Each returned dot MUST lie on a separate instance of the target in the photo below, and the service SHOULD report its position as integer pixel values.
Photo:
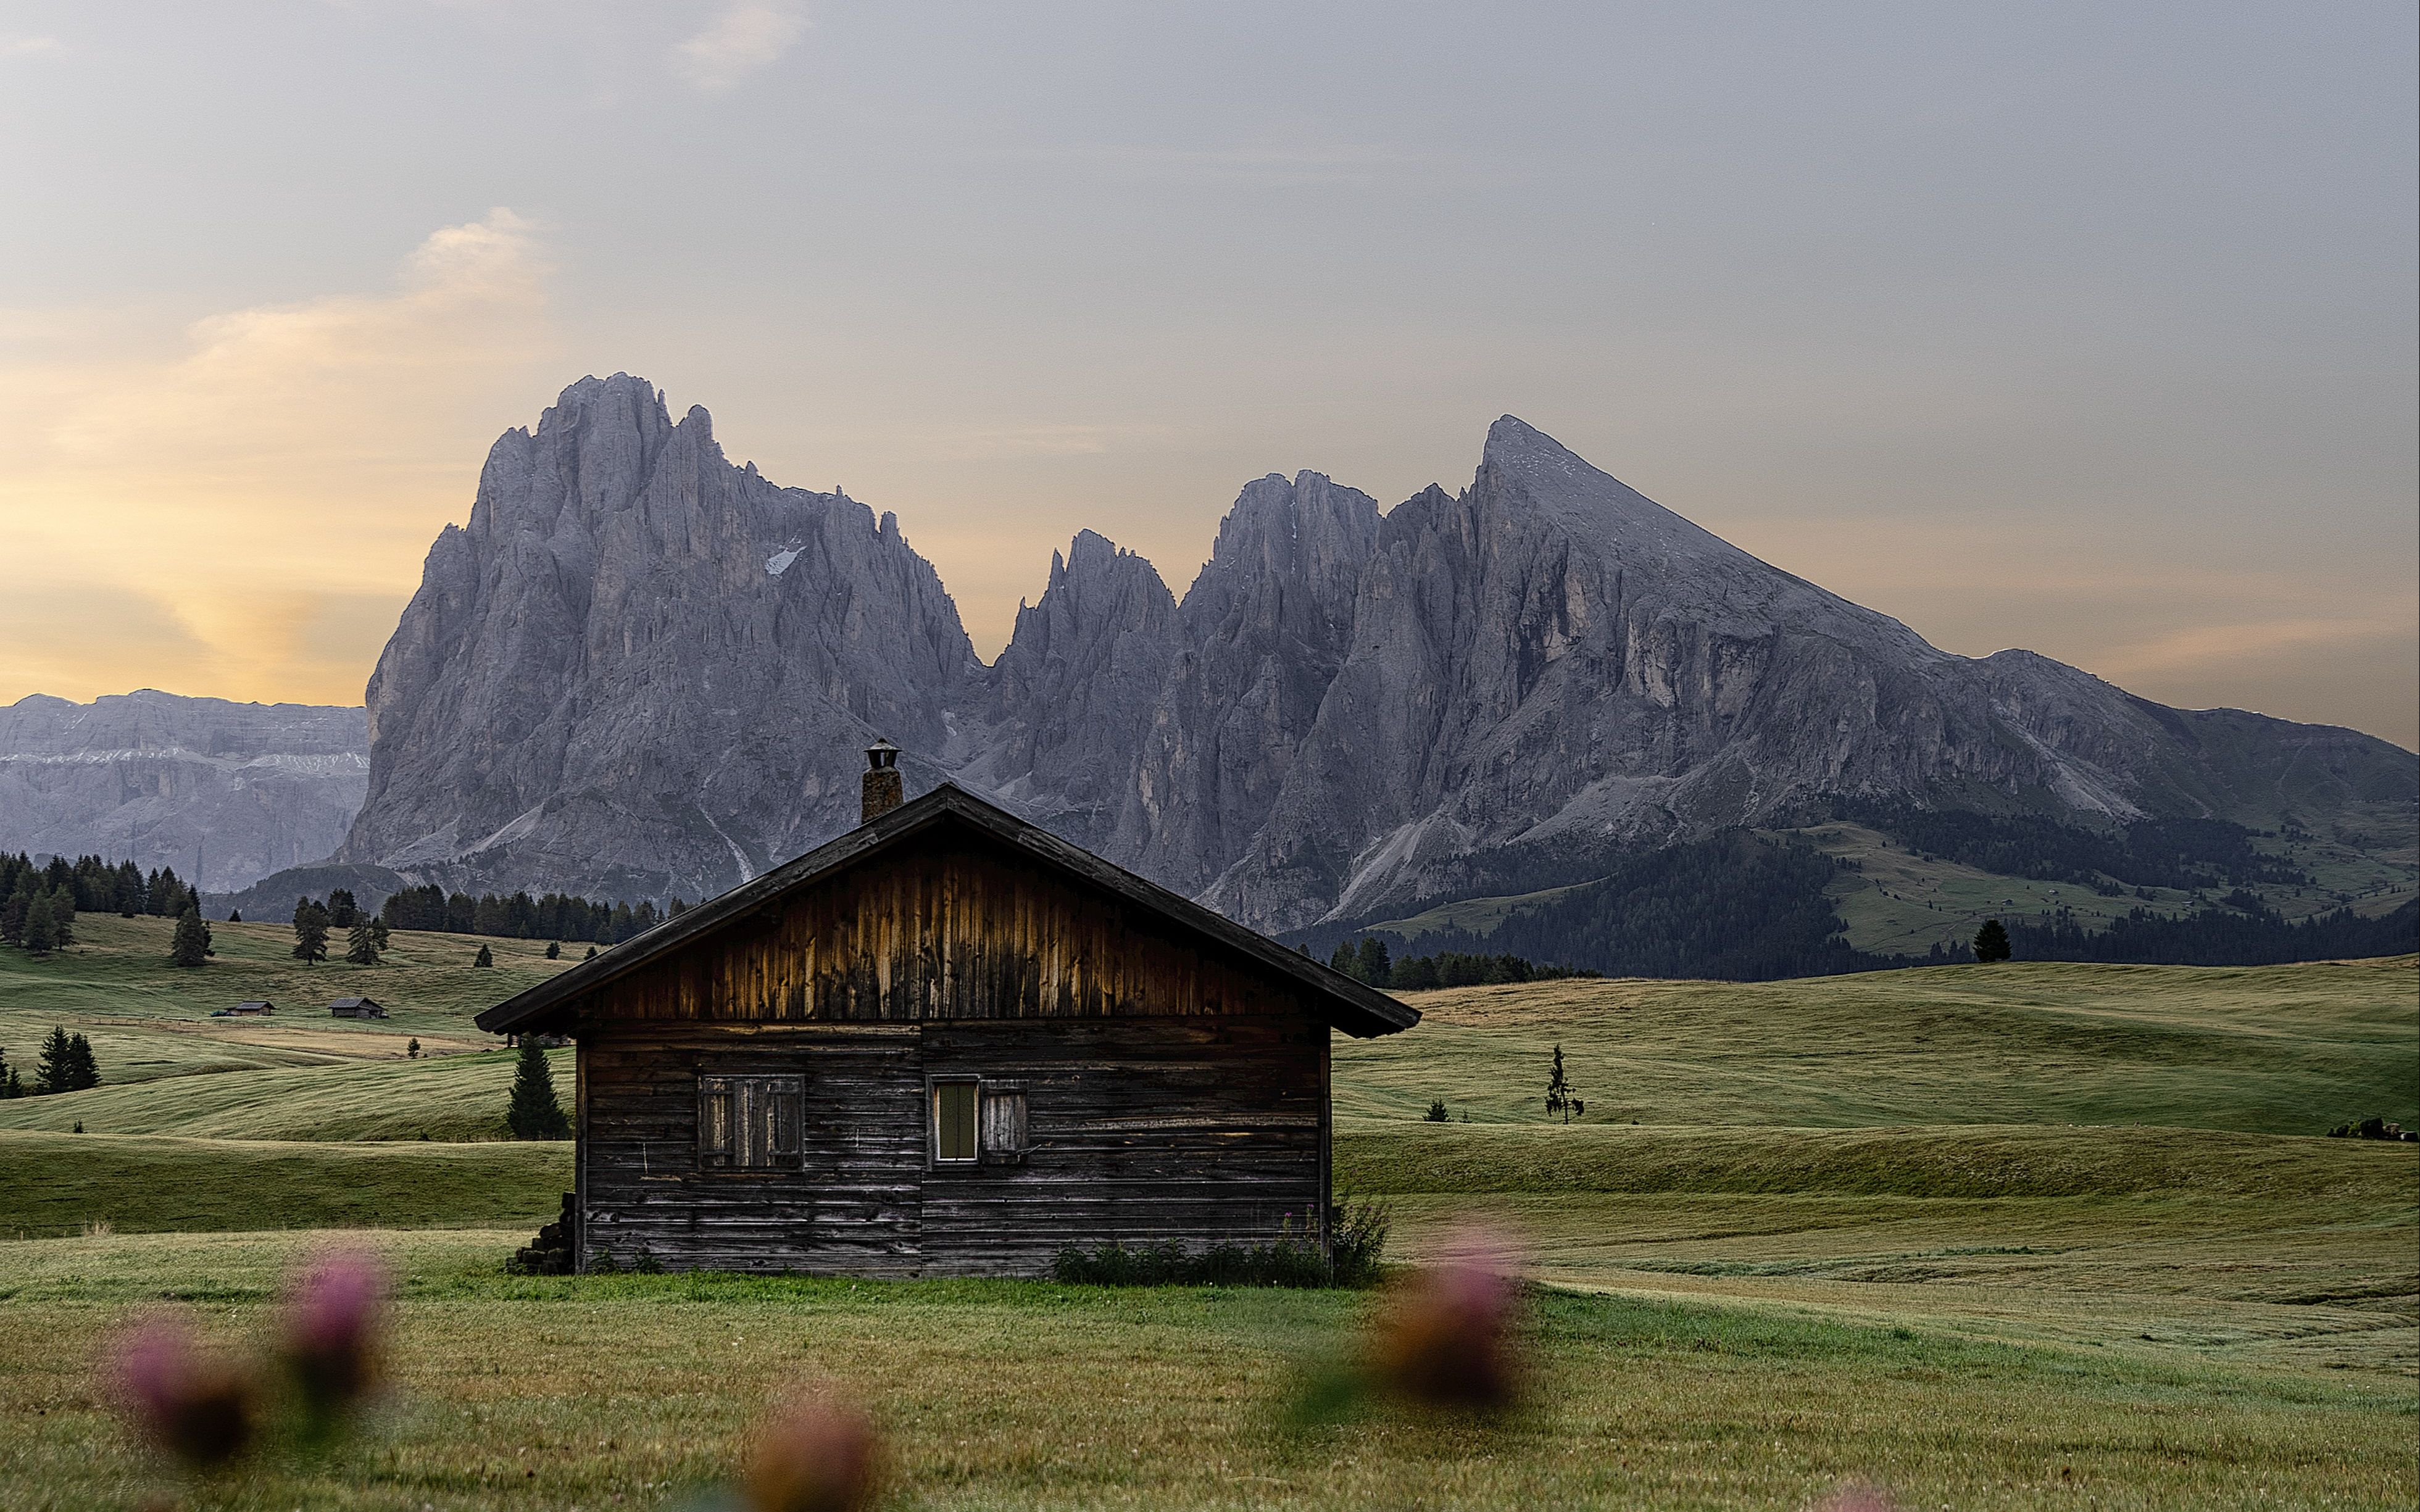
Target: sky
(2085, 329)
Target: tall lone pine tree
(535, 1114)
(1558, 1092)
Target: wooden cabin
(947, 1042)
(251, 1008)
(356, 1008)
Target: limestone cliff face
(239, 789)
(641, 670)
(1265, 629)
(1071, 697)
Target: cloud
(270, 479)
(2214, 648)
(746, 37)
(14, 46)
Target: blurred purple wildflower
(329, 1333)
(196, 1407)
(815, 1456)
(1446, 1339)
(1856, 1496)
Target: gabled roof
(354, 1002)
(1357, 1008)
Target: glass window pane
(953, 1118)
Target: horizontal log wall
(1172, 1127)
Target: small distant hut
(946, 1042)
(356, 1008)
(252, 1008)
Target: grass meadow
(2035, 1236)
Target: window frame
(935, 1160)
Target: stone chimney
(880, 787)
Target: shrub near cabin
(946, 1042)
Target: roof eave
(1344, 999)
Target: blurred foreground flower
(1446, 1339)
(815, 1456)
(329, 1337)
(197, 1408)
(1856, 1496)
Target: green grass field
(2029, 1236)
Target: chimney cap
(881, 756)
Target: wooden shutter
(714, 1122)
(750, 1123)
(1003, 1121)
(789, 1115)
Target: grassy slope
(1008, 1396)
(2268, 1049)
(456, 1097)
(52, 1183)
(147, 1019)
(1900, 904)
(1855, 1233)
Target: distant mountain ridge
(247, 788)
(642, 671)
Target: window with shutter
(750, 1123)
(1003, 1108)
(954, 1122)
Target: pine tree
(591, 956)
(54, 1071)
(5, 1075)
(343, 913)
(1558, 1092)
(63, 913)
(192, 945)
(411, 1051)
(535, 1114)
(13, 912)
(483, 958)
(361, 943)
(310, 932)
(235, 915)
(554, 950)
(1347, 960)
(1992, 941)
(83, 1070)
(42, 934)
(1377, 970)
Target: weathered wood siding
(1172, 1092)
(1143, 1130)
(951, 928)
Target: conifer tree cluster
(520, 917)
(12, 1083)
(65, 1064)
(366, 940)
(1369, 960)
(88, 884)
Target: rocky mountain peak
(645, 671)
